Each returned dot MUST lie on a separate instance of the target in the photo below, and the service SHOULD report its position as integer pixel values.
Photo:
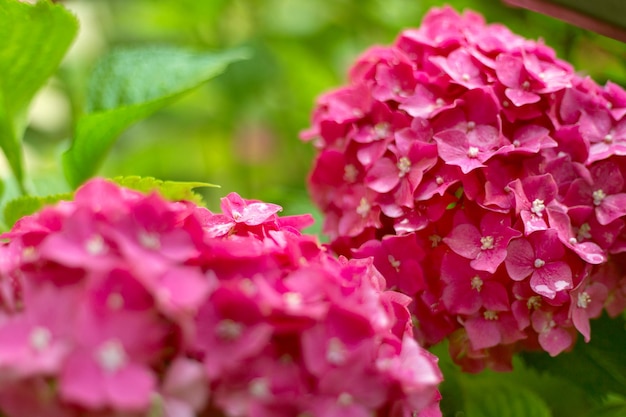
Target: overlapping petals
(505, 179)
(121, 304)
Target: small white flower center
(395, 264)
(516, 143)
(471, 125)
(465, 77)
(526, 85)
(539, 263)
(439, 102)
(584, 232)
(533, 302)
(345, 399)
(472, 152)
(149, 240)
(505, 103)
(572, 241)
(350, 173)
(381, 130)
(538, 207)
(583, 300)
(364, 208)
(439, 180)
(336, 352)
(111, 356)
(39, 338)
(259, 388)
(435, 240)
(248, 286)
(29, 254)
(293, 300)
(608, 139)
(486, 242)
(115, 301)
(477, 283)
(404, 166)
(598, 196)
(490, 315)
(228, 329)
(95, 245)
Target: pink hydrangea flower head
(120, 303)
(503, 164)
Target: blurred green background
(241, 129)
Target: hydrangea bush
(486, 179)
(124, 304)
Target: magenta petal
(611, 208)
(482, 333)
(519, 260)
(81, 382)
(495, 296)
(383, 176)
(454, 149)
(521, 97)
(555, 341)
(131, 388)
(182, 289)
(464, 240)
(551, 278)
(460, 298)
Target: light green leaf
(128, 85)
(25, 205)
(34, 40)
(486, 398)
(171, 190)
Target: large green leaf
(34, 39)
(128, 85)
(598, 366)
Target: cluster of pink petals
(486, 178)
(120, 304)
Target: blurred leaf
(598, 366)
(34, 40)
(615, 408)
(171, 190)
(463, 393)
(493, 399)
(26, 205)
(129, 85)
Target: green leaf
(128, 85)
(614, 409)
(490, 398)
(34, 40)
(25, 205)
(171, 190)
(598, 366)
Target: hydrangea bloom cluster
(122, 304)
(486, 178)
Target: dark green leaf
(598, 366)
(171, 190)
(25, 205)
(129, 85)
(34, 40)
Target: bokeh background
(241, 129)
